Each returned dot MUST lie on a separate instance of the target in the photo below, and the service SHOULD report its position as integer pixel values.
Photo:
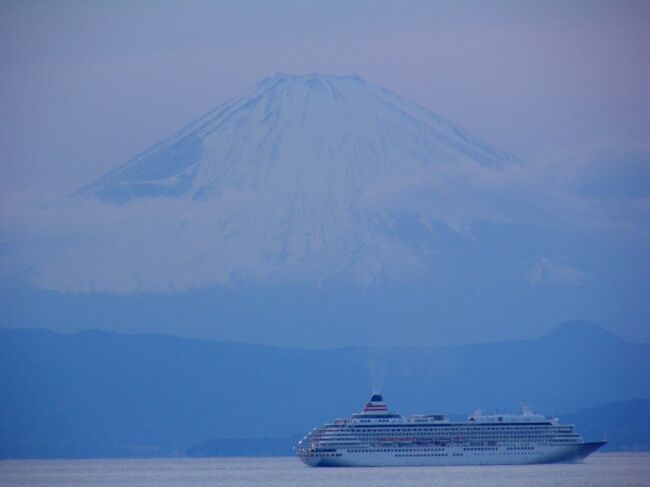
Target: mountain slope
(333, 137)
(102, 394)
(301, 178)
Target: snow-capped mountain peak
(315, 130)
(301, 177)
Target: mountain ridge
(566, 329)
(579, 328)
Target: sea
(599, 469)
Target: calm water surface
(605, 469)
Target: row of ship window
(440, 432)
(457, 439)
(478, 438)
(446, 427)
(485, 451)
(447, 433)
(468, 448)
(450, 433)
(373, 450)
(494, 435)
(401, 450)
(424, 455)
(480, 450)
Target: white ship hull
(503, 455)
(376, 437)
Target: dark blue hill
(625, 425)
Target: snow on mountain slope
(301, 179)
(325, 137)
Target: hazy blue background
(348, 239)
(563, 86)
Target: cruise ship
(376, 437)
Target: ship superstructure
(378, 437)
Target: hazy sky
(86, 85)
(563, 86)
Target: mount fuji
(302, 177)
(322, 210)
(326, 139)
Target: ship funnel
(375, 405)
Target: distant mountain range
(103, 394)
(245, 447)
